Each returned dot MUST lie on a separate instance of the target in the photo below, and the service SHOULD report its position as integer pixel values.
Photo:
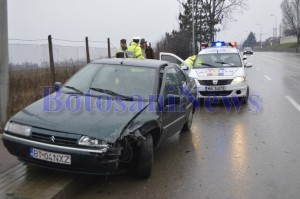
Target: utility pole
(193, 27)
(275, 29)
(260, 34)
(4, 70)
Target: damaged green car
(107, 118)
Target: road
(251, 152)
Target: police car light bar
(233, 43)
(218, 44)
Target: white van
(220, 72)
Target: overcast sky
(116, 19)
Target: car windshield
(247, 48)
(124, 82)
(218, 60)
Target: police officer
(134, 51)
(190, 60)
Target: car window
(181, 77)
(170, 59)
(171, 82)
(124, 80)
(218, 60)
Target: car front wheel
(245, 98)
(144, 157)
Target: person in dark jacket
(149, 52)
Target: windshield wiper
(106, 91)
(75, 89)
(206, 64)
(220, 62)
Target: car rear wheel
(187, 125)
(144, 157)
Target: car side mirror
(57, 86)
(172, 99)
(248, 65)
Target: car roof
(223, 49)
(151, 63)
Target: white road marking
(268, 78)
(293, 102)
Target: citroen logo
(52, 139)
(215, 82)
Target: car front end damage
(76, 153)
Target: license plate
(50, 156)
(215, 88)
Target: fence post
(4, 74)
(108, 46)
(52, 70)
(87, 50)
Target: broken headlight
(92, 142)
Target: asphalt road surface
(231, 152)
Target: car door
(173, 114)
(174, 59)
(188, 91)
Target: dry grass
(26, 86)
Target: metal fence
(55, 52)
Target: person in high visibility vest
(133, 50)
(190, 60)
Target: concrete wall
(290, 39)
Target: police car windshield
(218, 60)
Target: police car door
(174, 59)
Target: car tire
(144, 159)
(187, 125)
(245, 99)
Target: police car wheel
(245, 98)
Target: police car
(219, 69)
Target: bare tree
(291, 18)
(213, 12)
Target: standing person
(149, 52)
(122, 50)
(134, 51)
(143, 44)
(190, 60)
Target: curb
(30, 182)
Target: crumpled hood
(92, 120)
(208, 72)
